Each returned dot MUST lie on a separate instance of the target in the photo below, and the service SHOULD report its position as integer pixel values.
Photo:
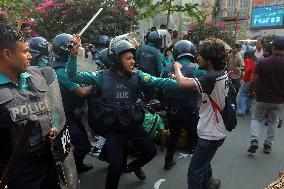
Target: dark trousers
(186, 118)
(33, 173)
(237, 84)
(199, 170)
(115, 144)
(79, 138)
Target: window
(231, 2)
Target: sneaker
(83, 168)
(95, 151)
(266, 149)
(169, 164)
(280, 123)
(139, 173)
(213, 183)
(253, 146)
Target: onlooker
(267, 49)
(175, 37)
(27, 31)
(169, 56)
(168, 38)
(211, 129)
(235, 65)
(191, 37)
(4, 19)
(259, 48)
(244, 103)
(268, 83)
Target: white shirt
(215, 85)
(258, 54)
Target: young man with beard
(210, 129)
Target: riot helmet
(103, 40)
(155, 38)
(38, 46)
(116, 49)
(60, 46)
(184, 48)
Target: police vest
(116, 101)
(180, 97)
(70, 100)
(147, 60)
(16, 107)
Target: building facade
(237, 13)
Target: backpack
(229, 114)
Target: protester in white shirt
(211, 129)
(259, 49)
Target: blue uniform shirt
(169, 60)
(95, 78)
(23, 82)
(160, 59)
(63, 79)
(42, 62)
(197, 71)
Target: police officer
(118, 106)
(23, 94)
(150, 60)
(73, 97)
(39, 49)
(181, 103)
(103, 62)
(103, 42)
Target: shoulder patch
(146, 78)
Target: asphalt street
(232, 164)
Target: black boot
(137, 171)
(81, 167)
(169, 164)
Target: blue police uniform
(121, 112)
(170, 60)
(181, 109)
(71, 101)
(42, 62)
(150, 60)
(35, 167)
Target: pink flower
(48, 4)
(192, 26)
(221, 25)
(31, 22)
(3, 11)
(39, 9)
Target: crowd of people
(191, 80)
